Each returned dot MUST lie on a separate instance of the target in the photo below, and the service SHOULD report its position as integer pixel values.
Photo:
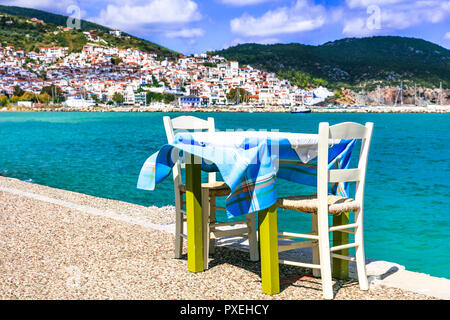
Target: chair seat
(217, 189)
(309, 204)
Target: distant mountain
(351, 61)
(29, 36)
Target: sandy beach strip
(56, 244)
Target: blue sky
(194, 26)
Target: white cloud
(59, 6)
(169, 17)
(241, 3)
(365, 3)
(394, 15)
(266, 41)
(303, 16)
(447, 35)
(137, 14)
(186, 33)
(357, 27)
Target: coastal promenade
(366, 109)
(57, 244)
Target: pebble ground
(48, 251)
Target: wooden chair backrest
(346, 130)
(186, 123)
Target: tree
(95, 98)
(166, 83)
(43, 98)
(338, 94)
(232, 96)
(118, 98)
(319, 82)
(154, 81)
(116, 60)
(154, 96)
(3, 100)
(168, 98)
(301, 79)
(27, 96)
(54, 92)
(210, 64)
(14, 99)
(18, 91)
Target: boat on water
(300, 109)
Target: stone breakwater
(367, 109)
(400, 109)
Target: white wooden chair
(322, 204)
(210, 191)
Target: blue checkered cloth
(249, 162)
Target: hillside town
(98, 73)
(104, 75)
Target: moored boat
(300, 109)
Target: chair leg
(315, 248)
(360, 257)
(325, 260)
(252, 238)
(179, 228)
(206, 230)
(212, 220)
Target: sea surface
(407, 207)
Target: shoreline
(127, 249)
(367, 109)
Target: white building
(78, 103)
(115, 32)
(25, 103)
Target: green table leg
(194, 216)
(340, 266)
(268, 237)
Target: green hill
(22, 34)
(351, 62)
(48, 17)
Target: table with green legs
(267, 220)
(268, 234)
(254, 185)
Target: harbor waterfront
(100, 154)
(172, 108)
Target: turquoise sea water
(407, 218)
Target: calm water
(406, 210)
